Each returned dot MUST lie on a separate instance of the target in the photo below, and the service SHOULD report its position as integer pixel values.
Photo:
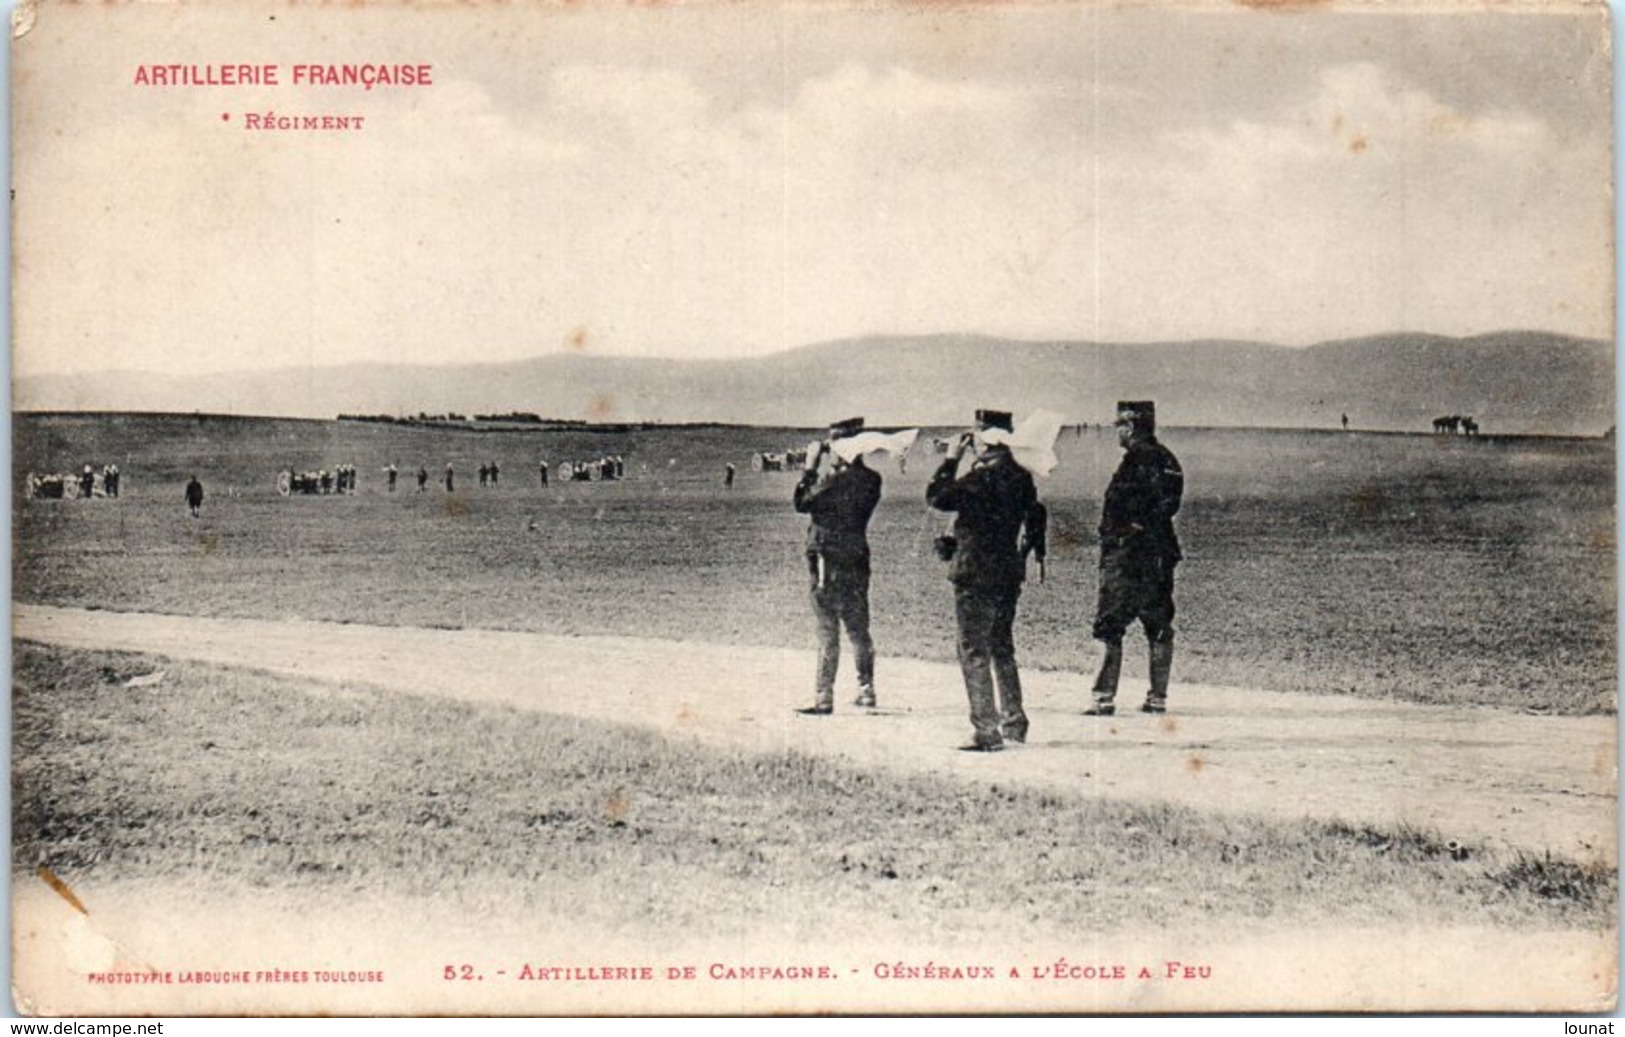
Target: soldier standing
(391, 472)
(194, 496)
(728, 476)
(423, 478)
(993, 501)
(451, 479)
(542, 468)
(1138, 553)
(840, 504)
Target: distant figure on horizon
(728, 476)
(1345, 423)
(451, 479)
(194, 497)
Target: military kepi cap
(1141, 413)
(996, 419)
(842, 429)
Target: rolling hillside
(1513, 382)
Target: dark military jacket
(840, 504)
(992, 501)
(1141, 502)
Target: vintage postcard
(813, 507)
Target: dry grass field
(1410, 567)
(351, 792)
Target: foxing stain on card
(602, 407)
(62, 890)
(618, 805)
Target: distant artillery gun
(780, 462)
(610, 468)
(81, 485)
(1451, 424)
(308, 484)
(51, 486)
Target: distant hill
(1512, 382)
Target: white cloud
(660, 215)
(1360, 111)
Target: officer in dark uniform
(993, 501)
(840, 504)
(1138, 553)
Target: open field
(1384, 566)
(536, 794)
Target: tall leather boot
(1105, 689)
(1162, 664)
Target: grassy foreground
(240, 778)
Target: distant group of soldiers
(608, 468)
(998, 523)
(54, 485)
(343, 478)
(338, 479)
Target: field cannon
(48, 487)
(338, 479)
(1451, 424)
(780, 462)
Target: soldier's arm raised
(807, 490)
(943, 492)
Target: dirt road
(1491, 779)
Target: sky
(729, 180)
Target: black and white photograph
(813, 508)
